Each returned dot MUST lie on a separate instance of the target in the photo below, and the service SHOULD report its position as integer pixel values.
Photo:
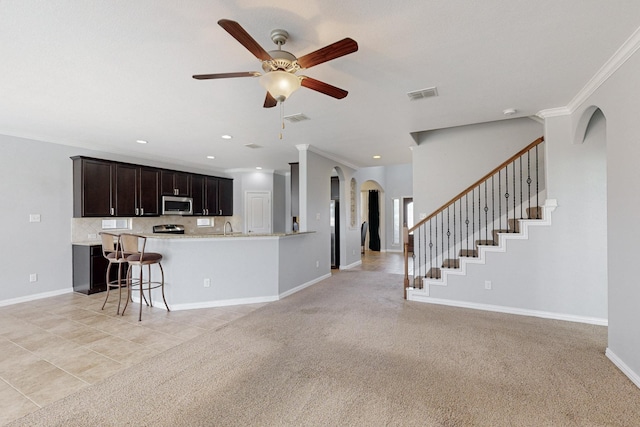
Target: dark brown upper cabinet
(176, 183)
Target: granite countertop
(198, 236)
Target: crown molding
(624, 52)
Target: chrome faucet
(224, 230)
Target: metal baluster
(455, 254)
(479, 216)
(442, 236)
(493, 205)
(514, 197)
(466, 220)
(436, 221)
(521, 216)
(461, 232)
(414, 257)
(537, 192)
(486, 212)
(506, 194)
(500, 199)
(448, 236)
(529, 181)
(473, 217)
(430, 248)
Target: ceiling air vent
(423, 93)
(253, 145)
(295, 118)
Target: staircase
(501, 206)
(458, 267)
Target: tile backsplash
(87, 229)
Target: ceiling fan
(280, 67)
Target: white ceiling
(102, 74)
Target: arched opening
(337, 217)
(373, 214)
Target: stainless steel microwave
(172, 205)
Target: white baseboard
(415, 296)
(635, 378)
(212, 304)
(237, 301)
(35, 297)
(352, 265)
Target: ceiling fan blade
(226, 75)
(322, 87)
(238, 33)
(269, 101)
(327, 53)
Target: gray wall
(447, 161)
(619, 100)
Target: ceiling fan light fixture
(280, 84)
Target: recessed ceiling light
(377, 157)
(226, 137)
(211, 157)
(258, 167)
(141, 141)
(509, 111)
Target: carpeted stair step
(451, 263)
(434, 273)
(468, 253)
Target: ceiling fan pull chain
(281, 117)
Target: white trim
(304, 285)
(211, 304)
(635, 378)
(510, 310)
(331, 157)
(35, 297)
(549, 206)
(352, 265)
(237, 301)
(628, 48)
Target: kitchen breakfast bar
(216, 270)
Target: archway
(367, 190)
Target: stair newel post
(405, 239)
(473, 216)
(479, 215)
(455, 253)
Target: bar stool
(133, 246)
(112, 251)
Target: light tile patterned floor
(52, 347)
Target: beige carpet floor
(350, 352)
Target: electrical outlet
(487, 284)
(92, 236)
(207, 282)
(33, 277)
(34, 217)
(317, 264)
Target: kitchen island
(215, 270)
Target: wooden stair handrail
(478, 182)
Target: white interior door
(258, 212)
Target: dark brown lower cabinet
(90, 269)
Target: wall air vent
(294, 118)
(423, 93)
(253, 146)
